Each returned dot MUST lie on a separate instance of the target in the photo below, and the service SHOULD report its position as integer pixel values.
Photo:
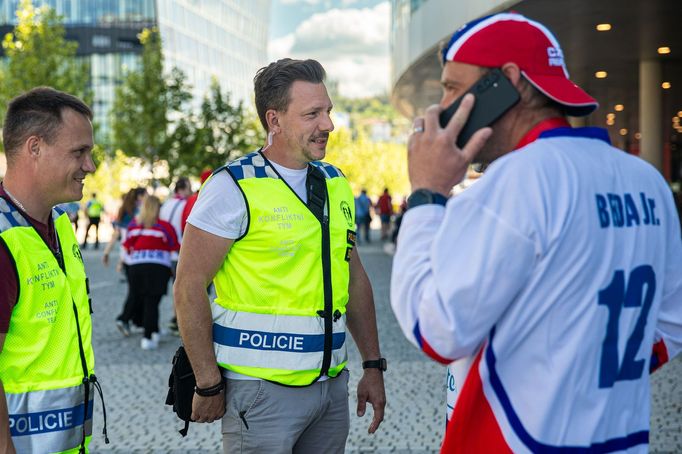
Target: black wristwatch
(375, 364)
(424, 197)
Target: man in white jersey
(171, 212)
(559, 270)
(274, 231)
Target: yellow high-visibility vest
(47, 360)
(282, 291)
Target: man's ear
(513, 73)
(33, 145)
(272, 119)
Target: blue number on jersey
(616, 297)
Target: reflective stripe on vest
(274, 291)
(49, 420)
(293, 343)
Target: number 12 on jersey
(620, 295)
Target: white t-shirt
(564, 260)
(221, 211)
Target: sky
(349, 38)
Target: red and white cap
(509, 37)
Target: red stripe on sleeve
(659, 356)
(426, 348)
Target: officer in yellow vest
(274, 230)
(47, 364)
(93, 209)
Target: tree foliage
(148, 105)
(219, 132)
(37, 53)
(364, 112)
(152, 118)
(370, 165)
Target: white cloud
(281, 47)
(352, 44)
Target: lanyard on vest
(316, 188)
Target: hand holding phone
(495, 95)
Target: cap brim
(576, 102)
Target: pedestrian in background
(384, 207)
(363, 218)
(149, 244)
(93, 210)
(130, 206)
(171, 212)
(191, 201)
(46, 356)
(273, 230)
(559, 270)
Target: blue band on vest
(284, 342)
(328, 170)
(48, 421)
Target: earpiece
(270, 134)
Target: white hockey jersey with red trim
(565, 262)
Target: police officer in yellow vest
(46, 358)
(274, 230)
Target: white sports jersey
(565, 262)
(171, 212)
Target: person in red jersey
(149, 244)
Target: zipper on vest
(328, 304)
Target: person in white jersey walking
(171, 212)
(559, 271)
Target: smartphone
(494, 94)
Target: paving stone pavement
(135, 382)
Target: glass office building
(225, 39)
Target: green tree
(219, 132)
(37, 53)
(370, 165)
(148, 106)
(364, 112)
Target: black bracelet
(211, 390)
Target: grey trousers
(262, 417)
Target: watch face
(419, 197)
(424, 197)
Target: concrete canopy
(638, 29)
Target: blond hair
(149, 212)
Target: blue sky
(349, 38)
